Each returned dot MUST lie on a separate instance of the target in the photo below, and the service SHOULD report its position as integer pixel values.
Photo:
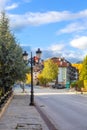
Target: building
(37, 68)
(66, 72)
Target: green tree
(49, 73)
(83, 73)
(12, 66)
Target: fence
(3, 99)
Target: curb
(3, 109)
(48, 122)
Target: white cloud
(18, 22)
(60, 50)
(56, 47)
(38, 18)
(55, 50)
(7, 5)
(80, 43)
(73, 27)
(47, 17)
(82, 13)
(13, 6)
(41, 18)
(69, 55)
(34, 19)
(73, 56)
(3, 4)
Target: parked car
(58, 86)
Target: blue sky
(57, 27)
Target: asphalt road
(66, 111)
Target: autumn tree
(83, 73)
(28, 78)
(49, 73)
(12, 66)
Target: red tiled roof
(61, 61)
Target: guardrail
(3, 99)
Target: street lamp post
(32, 91)
(31, 61)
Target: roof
(62, 62)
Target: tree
(49, 73)
(83, 73)
(12, 66)
(28, 78)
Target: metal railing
(4, 98)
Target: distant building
(66, 72)
(36, 70)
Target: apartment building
(66, 72)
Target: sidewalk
(20, 116)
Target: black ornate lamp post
(38, 54)
(32, 61)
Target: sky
(57, 27)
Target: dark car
(59, 86)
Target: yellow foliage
(85, 85)
(78, 66)
(39, 76)
(28, 78)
